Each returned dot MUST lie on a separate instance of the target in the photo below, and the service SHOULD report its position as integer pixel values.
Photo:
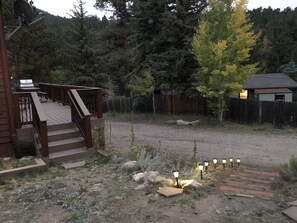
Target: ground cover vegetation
(103, 191)
(140, 37)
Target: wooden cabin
(7, 129)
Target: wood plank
(4, 133)
(3, 120)
(5, 140)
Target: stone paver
(251, 181)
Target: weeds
(288, 171)
(98, 138)
(151, 161)
(194, 151)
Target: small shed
(270, 87)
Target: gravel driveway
(252, 147)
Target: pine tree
(222, 46)
(83, 67)
(161, 36)
(114, 42)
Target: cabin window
(280, 97)
(243, 94)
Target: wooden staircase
(65, 142)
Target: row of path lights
(215, 162)
(205, 164)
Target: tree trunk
(154, 106)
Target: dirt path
(252, 148)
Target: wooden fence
(243, 111)
(164, 104)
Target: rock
(114, 158)
(190, 184)
(6, 158)
(293, 203)
(27, 158)
(291, 212)
(194, 123)
(141, 187)
(170, 122)
(74, 165)
(154, 177)
(97, 188)
(130, 165)
(169, 182)
(138, 177)
(182, 122)
(170, 191)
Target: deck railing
(28, 110)
(81, 116)
(91, 97)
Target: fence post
(260, 112)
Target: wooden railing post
(99, 103)
(44, 139)
(88, 129)
(17, 110)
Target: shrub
(148, 161)
(288, 170)
(98, 138)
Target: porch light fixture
(215, 161)
(206, 165)
(176, 175)
(231, 161)
(200, 167)
(224, 163)
(238, 161)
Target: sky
(62, 7)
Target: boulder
(138, 177)
(154, 177)
(190, 184)
(130, 166)
(169, 182)
(141, 187)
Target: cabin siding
(6, 131)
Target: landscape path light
(231, 161)
(200, 166)
(206, 165)
(176, 175)
(215, 161)
(224, 163)
(238, 162)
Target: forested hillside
(146, 38)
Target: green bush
(154, 161)
(288, 171)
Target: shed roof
(264, 81)
(272, 91)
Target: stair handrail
(81, 116)
(34, 115)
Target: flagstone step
(261, 194)
(245, 185)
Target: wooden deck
(56, 113)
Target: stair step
(63, 134)
(57, 127)
(66, 144)
(71, 154)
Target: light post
(224, 163)
(215, 161)
(231, 161)
(176, 175)
(200, 166)
(238, 162)
(206, 165)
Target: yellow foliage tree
(222, 46)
